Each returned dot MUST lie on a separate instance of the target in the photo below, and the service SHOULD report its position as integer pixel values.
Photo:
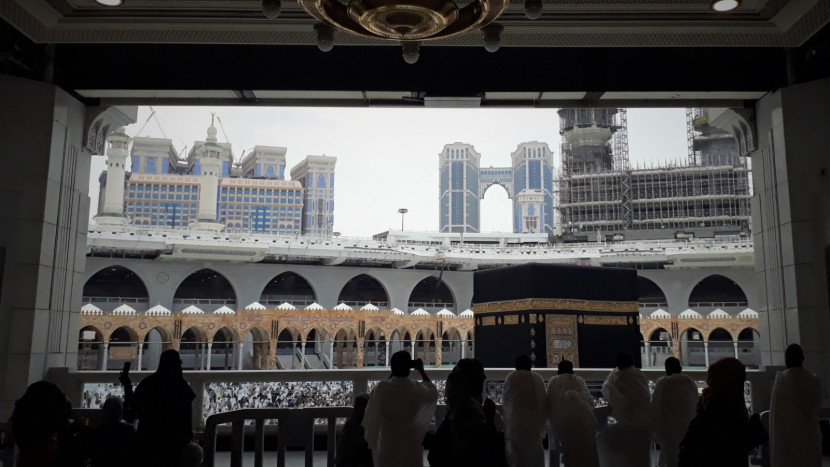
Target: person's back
(524, 415)
(722, 432)
(162, 402)
(399, 413)
(673, 406)
(627, 442)
(352, 448)
(40, 422)
(794, 414)
(570, 411)
(113, 443)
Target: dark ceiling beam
(441, 71)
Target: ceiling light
(109, 2)
(271, 8)
(411, 51)
(492, 36)
(405, 20)
(325, 37)
(725, 5)
(533, 9)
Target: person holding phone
(399, 413)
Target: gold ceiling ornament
(409, 22)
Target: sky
(387, 158)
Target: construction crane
(158, 123)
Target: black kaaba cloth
(552, 312)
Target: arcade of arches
(309, 339)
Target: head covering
(170, 365)
(726, 383)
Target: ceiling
(580, 52)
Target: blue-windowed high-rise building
(316, 175)
(459, 188)
(251, 195)
(529, 184)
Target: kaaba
(552, 312)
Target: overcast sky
(388, 158)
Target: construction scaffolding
(708, 194)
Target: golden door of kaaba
(552, 312)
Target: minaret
(211, 166)
(113, 210)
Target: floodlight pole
(403, 212)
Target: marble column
(106, 356)
(209, 356)
(706, 352)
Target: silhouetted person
(113, 443)
(162, 402)
(39, 423)
(672, 408)
(352, 448)
(399, 413)
(794, 424)
(467, 436)
(524, 412)
(571, 414)
(722, 432)
(627, 442)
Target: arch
(491, 184)
(430, 292)
(719, 345)
(205, 284)
(256, 350)
(222, 348)
(122, 347)
(425, 346)
(317, 348)
(374, 347)
(288, 287)
(114, 281)
(692, 349)
(747, 347)
(90, 348)
(122, 334)
(650, 294)
(717, 290)
(193, 348)
(287, 342)
(451, 347)
(345, 348)
(363, 289)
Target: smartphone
(126, 368)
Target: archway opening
(288, 287)
(193, 349)
(425, 346)
(692, 350)
(720, 345)
(222, 350)
(451, 347)
(748, 352)
(650, 294)
(374, 348)
(113, 286)
(432, 295)
(317, 349)
(256, 350)
(717, 291)
(496, 209)
(288, 355)
(363, 289)
(90, 348)
(123, 347)
(658, 349)
(206, 289)
(345, 349)
(156, 341)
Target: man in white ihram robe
(398, 415)
(673, 406)
(571, 415)
(796, 399)
(524, 415)
(627, 442)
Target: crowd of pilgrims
(393, 424)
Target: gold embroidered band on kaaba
(555, 304)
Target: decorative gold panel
(555, 304)
(562, 340)
(511, 319)
(606, 320)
